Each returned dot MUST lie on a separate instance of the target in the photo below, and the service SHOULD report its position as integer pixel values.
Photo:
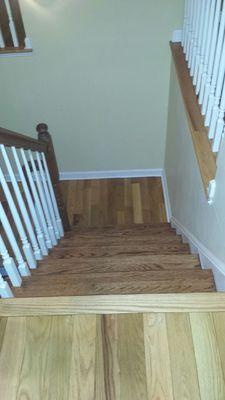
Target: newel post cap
(42, 128)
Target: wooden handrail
(45, 138)
(10, 138)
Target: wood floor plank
(11, 357)
(219, 324)
(3, 322)
(110, 356)
(131, 355)
(210, 373)
(158, 368)
(137, 205)
(58, 363)
(82, 376)
(182, 357)
(100, 388)
(32, 374)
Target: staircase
(135, 259)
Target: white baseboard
(133, 173)
(207, 258)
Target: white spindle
(5, 291)
(204, 45)
(218, 93)
(196, 37)
(43, 199)
(47, 195)
(40, 236)
(220, 123)
(184, 33)
(9, 265)
(212, 58)
(190, 33)
(208, 47)
(23, 209)
(11, 24)
(38, 206)
(200, 39)
(216, 66)
(25, 244)
(194, 32)
(186, 42)
(2, 43)
(22, 265)
(52, 193)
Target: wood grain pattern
(111, 304)
(158, 367)
(210, 372)
(112, 357)
(182, 356)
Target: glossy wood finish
(10, 138)
(113, 357)
(206, 158)
(114, 201)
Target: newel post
(45, 136)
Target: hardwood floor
(154, 356)
(114, 201)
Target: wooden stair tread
(111, 240)
(139, 263)
(129, 229)
(122, 250)
(69, 284)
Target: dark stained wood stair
(132, 259)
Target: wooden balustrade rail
(43, 144)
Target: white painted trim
(207, 258)
(133, 173)
(177, 36)
(166, 196)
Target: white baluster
(40, 236)
(5, 291)
(212, 57)
(47, 195)
(22, 265)
(11, 24)
(9, 265)
(203, 47)
(194, 32)
(23, 209)
(38, 206)
(200, 39)
(190, 29)
(25, 244)
(52, 193)
(188, 23)
(43, 199)
(220, 123)
(219, 47)
(218, 93)
(207, 52)
(184, 33)
(2, 43)
(196, 36)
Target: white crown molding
(133, 173)
(207, 258)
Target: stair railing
(203, 43)
(29, 179)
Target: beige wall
(99, 76)
(187, 196)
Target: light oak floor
(114, 201)
(113, 357)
